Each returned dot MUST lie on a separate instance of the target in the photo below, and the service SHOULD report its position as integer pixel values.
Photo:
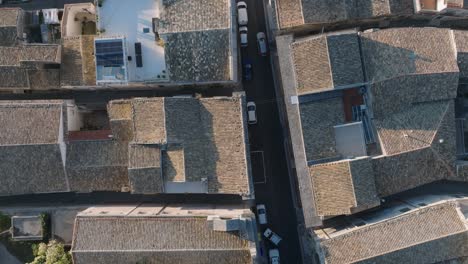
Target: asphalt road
(267, 138)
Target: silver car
(262, 43)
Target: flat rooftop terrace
(135, 23)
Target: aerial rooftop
(297, 12)
(153, 42)
(416, 229)
(191, 146)
(10, 26)
(292, 13)
(380, 123)
(164, 234)
(150, 42)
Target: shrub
(51, 253)
(5, 222)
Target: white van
(242, 13)
(262, 43)
(272, 236)
(243, 32)
(261, 213)
(274, 256)
(251, 113)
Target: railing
(460, 136)
(360, 114)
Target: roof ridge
(419, 210)
(440, 122)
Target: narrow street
(272, 186)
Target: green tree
(51, 253)
(5, 222)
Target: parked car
(272, 236)
(262, 43)
(252, 113)
(274, 256)
(243, 36)
(242, 13)
(261, 214)
(247, 69)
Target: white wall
(73, 28)
(74, 119)
(63, 147)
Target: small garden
(33, 252)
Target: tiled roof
(323, 10)
(197, 39)
(71, 70)
(388, 99)
(10, 26)
(312, 76)
(328, 61)
(290, 13)
(184, 120)
(403, 51)
(201, 139)
(341, 187)
(428, 149)
(144, 156)
(12, 56)
(345, 59)
(44, 79)
(155, 239)
(13, 77)
(8, 36)
(148, 119)
(412, 128)
(187, 15)
(97, 165)
(461, 40)
(21, 66)
(427, 235)
(146, 180)
(297, 12)
(174, 163)
(333, 188)
(27, 169)
(144, 169)
(78, 63)
(318, 119)
(29, 147)
(198, 56)
(205, 140)
(227, 168)
(9, 17)
(411, 81)
(30, 123)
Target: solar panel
(109, 53)
(138, 48)
(139, 59)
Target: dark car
(247, 69)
